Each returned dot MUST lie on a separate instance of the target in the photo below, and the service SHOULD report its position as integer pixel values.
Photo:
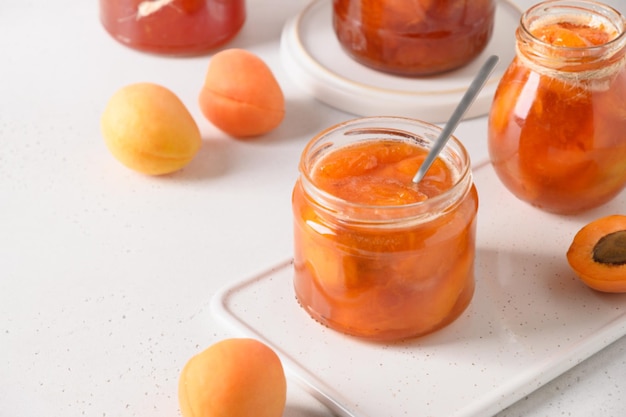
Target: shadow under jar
(413, 37)
(558, 119)
(173, 27)
(375, 255)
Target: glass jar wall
(413, 38)
(173, 27)
(377, 256)
(557, 122)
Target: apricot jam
(413, 38)
(377, 256)
(173, 27)
(557, 121)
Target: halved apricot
(598, 254)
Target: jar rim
(381, 125)
(608, 14)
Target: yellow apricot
(149, 129)
(240, 95)
(236, 377)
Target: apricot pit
(611, 249)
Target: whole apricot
(236, 377)
(240, 95)
(149, 129)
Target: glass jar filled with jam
(376, 255)
(413, 38)
(173, 27)
(557, 122)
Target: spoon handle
(466, 102)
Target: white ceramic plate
(531, 319)
(314, 59)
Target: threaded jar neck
(572, 63)
(376, 129)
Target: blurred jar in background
(173, 27)
(557, 122)
(413, 37)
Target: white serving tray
(530, 320)
(313, 58)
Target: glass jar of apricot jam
(413, 38)
(173, 27)
(557, 121)
(376, 255)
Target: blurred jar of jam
(557, 122)
(375, 255)
(173, 27)
(413, 37)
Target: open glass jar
(173, 27)
(413, 38)
(376, 255)
(557, 121)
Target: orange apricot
(240, 95)
(598, 254)
(237, 377)
(149, 129)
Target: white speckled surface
(106, 275)
(531, 319)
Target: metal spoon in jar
(466, 102)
